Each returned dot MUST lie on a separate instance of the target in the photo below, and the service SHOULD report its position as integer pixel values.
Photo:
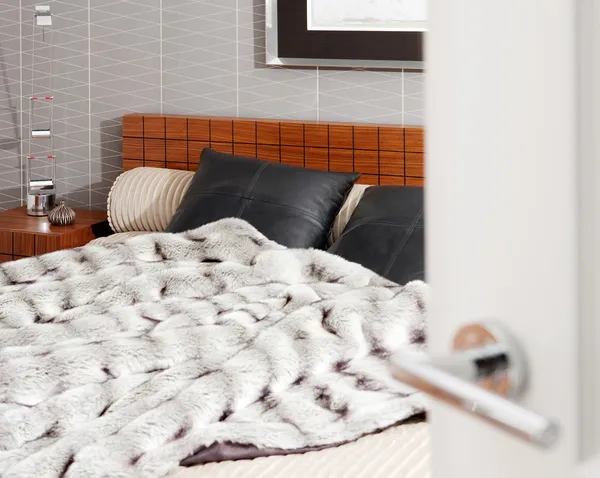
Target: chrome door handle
(486, 370)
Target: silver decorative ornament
(61, 215)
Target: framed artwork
(346, 33)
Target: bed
(160, 154)
(383, 154)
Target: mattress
(401, 452)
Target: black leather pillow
(290, 205)
(386, 233)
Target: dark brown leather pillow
(293, 206)
(386, 233)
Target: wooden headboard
(383, 154)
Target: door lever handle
(485, 372)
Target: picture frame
(290, 42)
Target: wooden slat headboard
(383, 154)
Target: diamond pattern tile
(199, 57)
(414, 98)
(162, 56)
(10, 104)
(361, 95)
(124, 76)
(266, 91)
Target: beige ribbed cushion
(145, 199)
(356, 194)
(116, 238)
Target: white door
(513, 218)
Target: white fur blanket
(122, 360)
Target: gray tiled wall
(164, 56)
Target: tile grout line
(89, 35)
(21, 152)
(318, 95)
(160, 52)
(402, 91)
(237, 58)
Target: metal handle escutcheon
(487, 369)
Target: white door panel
(590, 469)
(502, 205)
(589, 227)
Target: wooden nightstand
(25, 236)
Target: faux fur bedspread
(123, 360)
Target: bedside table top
(17, 220)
